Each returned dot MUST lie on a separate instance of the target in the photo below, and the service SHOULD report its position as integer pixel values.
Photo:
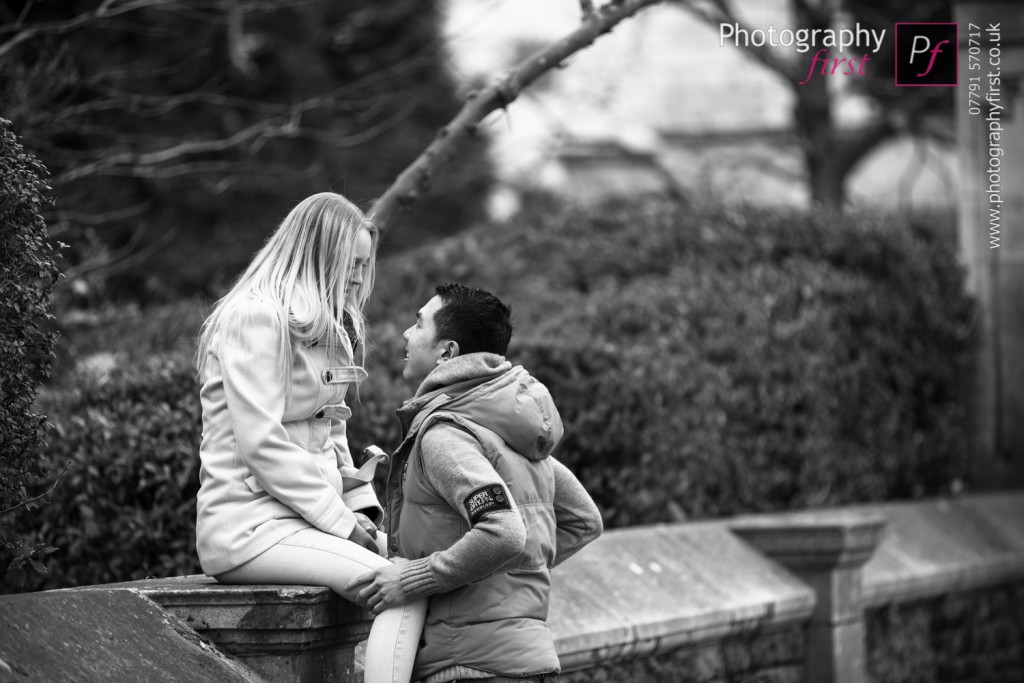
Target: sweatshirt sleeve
(457, 470)
(577, 518)
(256, 398)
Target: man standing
(476, 506)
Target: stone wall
(755, 657)
(959, 638)
(923, 591)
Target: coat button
(394, 547)
(328, 376)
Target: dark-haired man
(476, 506)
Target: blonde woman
(280, 500)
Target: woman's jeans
(312, 557)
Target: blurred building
(595, 170)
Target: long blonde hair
(302, 272)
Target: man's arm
(461, 475)
(577, 518)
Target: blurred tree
(179, 131)
(831, 150)
(418, 179)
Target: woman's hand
(365, 522)
(360, 536)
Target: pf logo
(927, 54)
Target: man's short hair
(476, 319)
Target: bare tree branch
(64, 219)
(29, 501)
(860, 142)
(588, 10)
(153, 164)
(112, 8)
(259, 130)
(726, 15)
(361, 137)
(49, 28)
(237, 49)
(417, 178)
(124, 258)
(130, 157)
(831, 152)
(143, 105)
(816, 16)
(908, 119)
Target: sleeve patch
(486, 499)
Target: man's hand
(361, 536)
(381, 588)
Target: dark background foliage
(133, 114)
(706, 361)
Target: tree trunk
(827, 182)
(813, 117)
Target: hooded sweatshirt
(483, 511)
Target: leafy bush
(26, 279)
(125, 505)
(706, 362)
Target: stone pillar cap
(818, 539)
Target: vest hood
(487, 390)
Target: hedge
(706, 361)
(125, 451)
(714, 360)
(27, 274)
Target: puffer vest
(497, 624)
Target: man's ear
(451, 350)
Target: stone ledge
(945, 546)
(646, 590)
(256, 620)
(633, 593)
(105, 635)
